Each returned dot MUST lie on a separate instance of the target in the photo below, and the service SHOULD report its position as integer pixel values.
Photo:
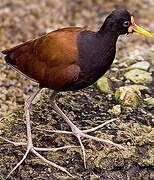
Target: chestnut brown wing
(51, 59)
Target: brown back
(49, 59)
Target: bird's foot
(34, 150)
(83, 133)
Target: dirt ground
(23, 20)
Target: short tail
(10, 51)
(8, 59)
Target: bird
(69, 59)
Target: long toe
(13, 142)
(104, 141)
(34, 151)
(49, 162)
(78, 133)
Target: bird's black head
(117, 22)
(121, 22)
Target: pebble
(138, 76)
(150, 101)
(143, 65)
(104, 85)
(123, 65)
(114, 69)
(129, 95)
(116, 110)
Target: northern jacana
(69, 59)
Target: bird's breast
(90, 73)
(94, 59)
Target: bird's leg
(29, 135)
(29, 143)
(77, 132)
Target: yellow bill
(138, 29)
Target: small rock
(149, 55)
(129, 95)
(150, 101)
(138, 76)
(116, 110)
(11, 74)
(114, 69)
(104, 85)
(123, 65)
(94, 177)
(4, 107)
(128, 61)
(3, 97)
(140, 58)
(143, 65)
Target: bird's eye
(126, 23)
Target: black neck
(107, 37)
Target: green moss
(129, 95)
(104, 85)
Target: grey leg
(77, 132)
(30, 143)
